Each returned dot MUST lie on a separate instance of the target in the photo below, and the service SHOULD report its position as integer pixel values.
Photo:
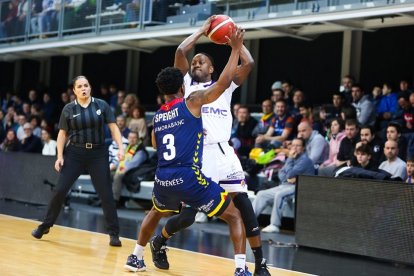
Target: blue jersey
(179, 135)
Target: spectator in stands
(338, 102)
(9, 119)
(23, 10)
(346, 88)
(26, 109)
(317, 149)
(277, 94)
(10, 143)
(319, 120)
(49, 145)
(266, 119)
(121, 123)
(234, 110)
(126, 112)
(410, 170)
(9, 24)
(346, 149)
(33, 97)
(242, 134)
(368, 137)
(138, 123)
(35, 122)
(404, 88)
(376, 96)
(394, 165)
(132, 12)
(21, 119)
(348, 113)
(49, 108)
(362, 159)
(132, 101)
(64, 100)
(297, 163)
(280, 130)
(297, 99)
(408, 114)
(386, 110)
(135, 155)
(288, 90)
(36, 19)
(394, 134)
(119, 101)
(364, 107)
(31, 143)
(336, 134)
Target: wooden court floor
(69, 251)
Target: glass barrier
(33, 21)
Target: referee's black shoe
(114, 240)
(40, 231)
(159, 255)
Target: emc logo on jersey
(212, 110)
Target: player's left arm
(245, 67)
(153, 141)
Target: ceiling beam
(350, 24)
(289, 33)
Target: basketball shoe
(261, 270)
(241, 272)
(134, 265)
(159, 255)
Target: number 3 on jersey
(168, 141)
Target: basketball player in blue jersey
(220, 162)
(178, 137)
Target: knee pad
(242, 202)
(181, 221)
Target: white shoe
(201, 217)
(271, 229)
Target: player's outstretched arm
(180, 60)
(199, 98)
(245, 67)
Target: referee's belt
(87, 145)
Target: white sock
(139, 251)
(240, 260)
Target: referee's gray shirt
(86, 124)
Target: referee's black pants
(95, 162)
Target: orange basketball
(220, 28)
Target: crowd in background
(357, 134)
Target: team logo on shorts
(243, 183)
(98, 112)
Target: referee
(80, 147)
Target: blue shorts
(177, 185)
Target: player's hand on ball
(236, 38)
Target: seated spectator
(394, 134)
(363, 156)
(364, 107)
(297, 100)
(336, 135)
(376, 96)
(121, 123)
(368, 137)
(277, 92)
(408, 115)
(410, 171)
(317, 149)
(297, 163)
(135, 155)
(242, 133)
(21, 119)
(394, 165)
(338, 102)
(348, 113)
(31, 143)
(346, 88)
(266, 119)
(138, 123)
(386, 110)
(35, 122)
(49, 145)
(10, 143)
(346, 149)
(280, 130)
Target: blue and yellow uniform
(178, 178)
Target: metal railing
(37, 21)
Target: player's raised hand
(236, 38)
